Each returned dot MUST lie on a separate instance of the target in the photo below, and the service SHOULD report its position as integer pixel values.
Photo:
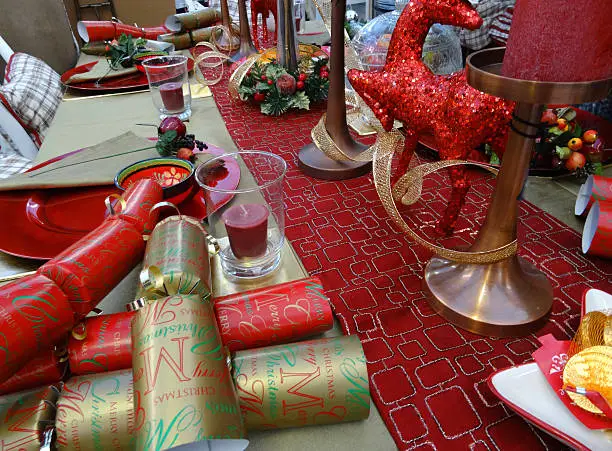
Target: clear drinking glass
(169, 82)
(248, 221)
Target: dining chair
(17, 136)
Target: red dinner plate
(136, 80)
(41, 223)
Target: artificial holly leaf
(262, 86)
(273, 71)
(563, 152)
(555, 131)
(494, 159)
(246, 91)
(577, 131)
(300, 100)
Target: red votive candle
(560, 40)
(172, 96)
(247, 229)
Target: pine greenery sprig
(259, 85)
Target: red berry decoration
(259, 97)
(324, 74)
(302, 77)
(264, 78)
(270, 82)
(172, 123)
(300, 85)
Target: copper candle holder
(246, 43)
(510, 297)
(311, 160)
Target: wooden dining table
(85, 120)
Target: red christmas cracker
(101, 343)
(139, 198)
(34, 315)
(89, 269)
(277, 314)
(272, 315)
(47, 369)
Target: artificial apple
(575, 144)
(576, 160)
(549, 117)
(172, 123)
(590, 136)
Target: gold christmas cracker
(302, 384)
(23, 422)
(183, 392)
(96, 412)
(176, 260)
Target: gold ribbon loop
(152, 280)
(219, 60)
(410, 191)
(110, 207)
(212, 244)
(325, 143)
(137, 304)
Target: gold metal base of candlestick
(507, 298)
(315, 163)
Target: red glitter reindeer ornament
(263, 7)
(457, 116)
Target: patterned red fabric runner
(428, 378)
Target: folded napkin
(95, 165)
(101, 71)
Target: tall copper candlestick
(228, 42)
(286, 46)
(509, 297)
(246, 43)
(311, 160)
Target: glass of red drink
(169, 84)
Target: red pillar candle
(34, 315)
(560, 40)
(172, 96)
(49, 368)
(247, 229)
(272, 315)
(100, 344)
(89, 269)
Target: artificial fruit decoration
(561, 124)
(575, 144)
(172, 123)
(549, 117)
(576, 160)
(590, 136)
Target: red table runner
(428, 377)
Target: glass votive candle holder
(169, 84)
(249, 221)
